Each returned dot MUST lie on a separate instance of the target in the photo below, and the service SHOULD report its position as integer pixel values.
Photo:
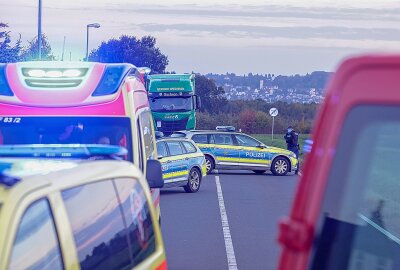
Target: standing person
(292, 142)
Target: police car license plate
(158, 123)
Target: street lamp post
(94, 25)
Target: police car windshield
(66, 130)
(168, 104)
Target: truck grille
(168, 127)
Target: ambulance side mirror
(154, 174)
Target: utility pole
(62, 55)
(94, 25)
(40, 30)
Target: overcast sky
(276, 36)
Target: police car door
(176, 162)
(252, 155)
(225, 151)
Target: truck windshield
(67, 130)
(168, 104)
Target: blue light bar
(78, 151)
(307, 145)
(5, 179)
(5, 89)
(113, 76)
(225, 128)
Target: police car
(76, 214)
(226, 149)
(183, 163)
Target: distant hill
(270, 87)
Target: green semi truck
(173, 101)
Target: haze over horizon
(278, 37)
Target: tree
(247, 121)
(128, 49)
(212, 97)
(8, 53)
(30, 52)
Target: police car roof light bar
(225, 128)
(61, 150)
(5, 179)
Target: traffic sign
(273, 112)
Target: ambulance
(78, 103)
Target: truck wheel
(194, 181)
(259, 171)
(210, 165)
(280, 166)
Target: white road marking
(230, 252)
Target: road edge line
(230, 252)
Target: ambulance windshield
(66, 130)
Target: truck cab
(173, 101)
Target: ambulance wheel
(259, 171)
(280, 166)
(194, 181)
(210, 165)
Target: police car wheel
(209, 164)
(280, 166)
(194, 181)
(259, 171)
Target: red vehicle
(346, 213)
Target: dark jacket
(292, 140)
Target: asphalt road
(193, 232)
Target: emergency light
(6, 179)
(113, 76)
(78, 151)
(103, 79)
(225, 128)
(54, 72)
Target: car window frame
(166, 148)
(245, 135)
(233, 139)
(187, 151)
(202, 134)
(19, 215)
(147, 202)
(111, 181)
(169, 151)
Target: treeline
(251, 116)
(14, 51)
